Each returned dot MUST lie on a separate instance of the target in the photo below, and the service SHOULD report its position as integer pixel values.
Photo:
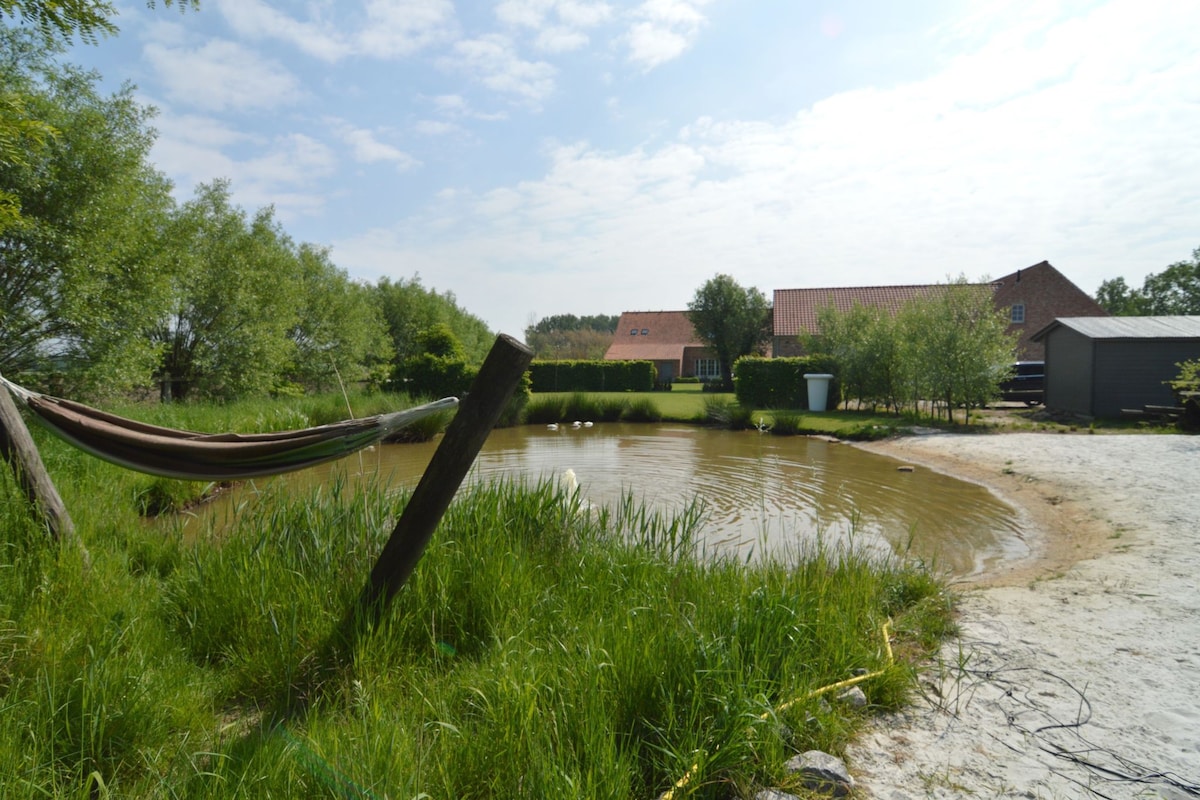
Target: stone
(774, 794)
(821, 772)
(853, 697)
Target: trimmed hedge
(779, 382)
(433, 376)
(592, 376)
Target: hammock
(194, 456)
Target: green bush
(642, 410)
(592, 376)
(779, 382)
(435, 376)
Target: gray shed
(1096, 366)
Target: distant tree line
(107, 284)
(568, 337)
(1175, 290)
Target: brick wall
(1046, 294)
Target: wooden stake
(18, 449)
(477, 415)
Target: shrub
(779, 382)
(643, 410)
(725, 413)
(786, 424)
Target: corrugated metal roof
(1179, 327)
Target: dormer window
(1017, 314)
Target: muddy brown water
(760, 493)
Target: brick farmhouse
(1031, 298)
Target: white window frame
(708, 368)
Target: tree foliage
(409, 310)
(82, 260)
(23, 135)
(734, 321)
(339, 335)
(1174, 291)
(58, 20)
(950, 347)
(568, 337)
(235, 299)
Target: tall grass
(542, 648)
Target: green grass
(541, 648)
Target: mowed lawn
(686, 402)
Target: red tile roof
(666, 334)
(795, 310)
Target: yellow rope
(887, 644)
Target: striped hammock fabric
(188, 455)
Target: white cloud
(366, 148)
(388, 29)
(256, 19)
(493, 61)
(663, 30)
(559, 25)
(221, 75)
(403, 27)
(434, 127)
(985, 167)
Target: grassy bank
(542, 649)
(687, 403)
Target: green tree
(59, 20)
(1174, 291)
(734, 321)
(566, 336)
(339, 334)
(236, 299)
(866, 345)
(22, 135)
(82, 260)
(954, 347)
(1115, 297)
(409, 309)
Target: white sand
(1102, 629)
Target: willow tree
(79, 265)
(733, 321)
(235, 299)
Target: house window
(633, 332)
(708, 368)
(645, 331)
(1017, 317)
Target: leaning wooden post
(477, 415)
(18, 449)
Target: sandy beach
(1077, 672)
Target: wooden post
(477, 415)
(18, 449)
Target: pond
(760, 493)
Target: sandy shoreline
(1077, 673)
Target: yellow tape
(887, 644)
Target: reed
(542, 648)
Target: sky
(541, 157)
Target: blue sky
(539, 157)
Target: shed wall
(1131, 373)
(1069, 368)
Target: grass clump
(642, 410)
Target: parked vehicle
(1026, 383)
